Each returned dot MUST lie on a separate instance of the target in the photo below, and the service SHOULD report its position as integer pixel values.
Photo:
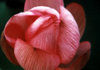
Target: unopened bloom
(46, 36)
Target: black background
(92, 10)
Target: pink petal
(69, 37)
(43, 37)
(49, 3)
(34, 59)
(44, 31)
(34, 27)
(83, 54)
(8, 50)
(83, 48)
(48, 16)
(45, 11)
(79, 15)
(16, 26)
(80, 59)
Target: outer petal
(82, 55)
(80, 59)
(69, 37)
(50, 3)
(8, 50)
(79, 15)
(16, 26)
(34, 59)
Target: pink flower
(46, 36)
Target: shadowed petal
(69, 37)
(79, 15)
(50, 3)
(16, 26)
(83, 48)
(34, 59)
(80, 59)
(8, 50)
(61, 69)
(82, 55)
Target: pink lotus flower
(46, 36)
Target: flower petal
(44, 31)
(80, 59)
(8, 50)
(79, 15)
(45, 10)
(83, 48)
(82, 55)
(49, 3)
(34, 27)
(16, 26)
(43, 37)
(69, 37)
(34, 59)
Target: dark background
(92, 9)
